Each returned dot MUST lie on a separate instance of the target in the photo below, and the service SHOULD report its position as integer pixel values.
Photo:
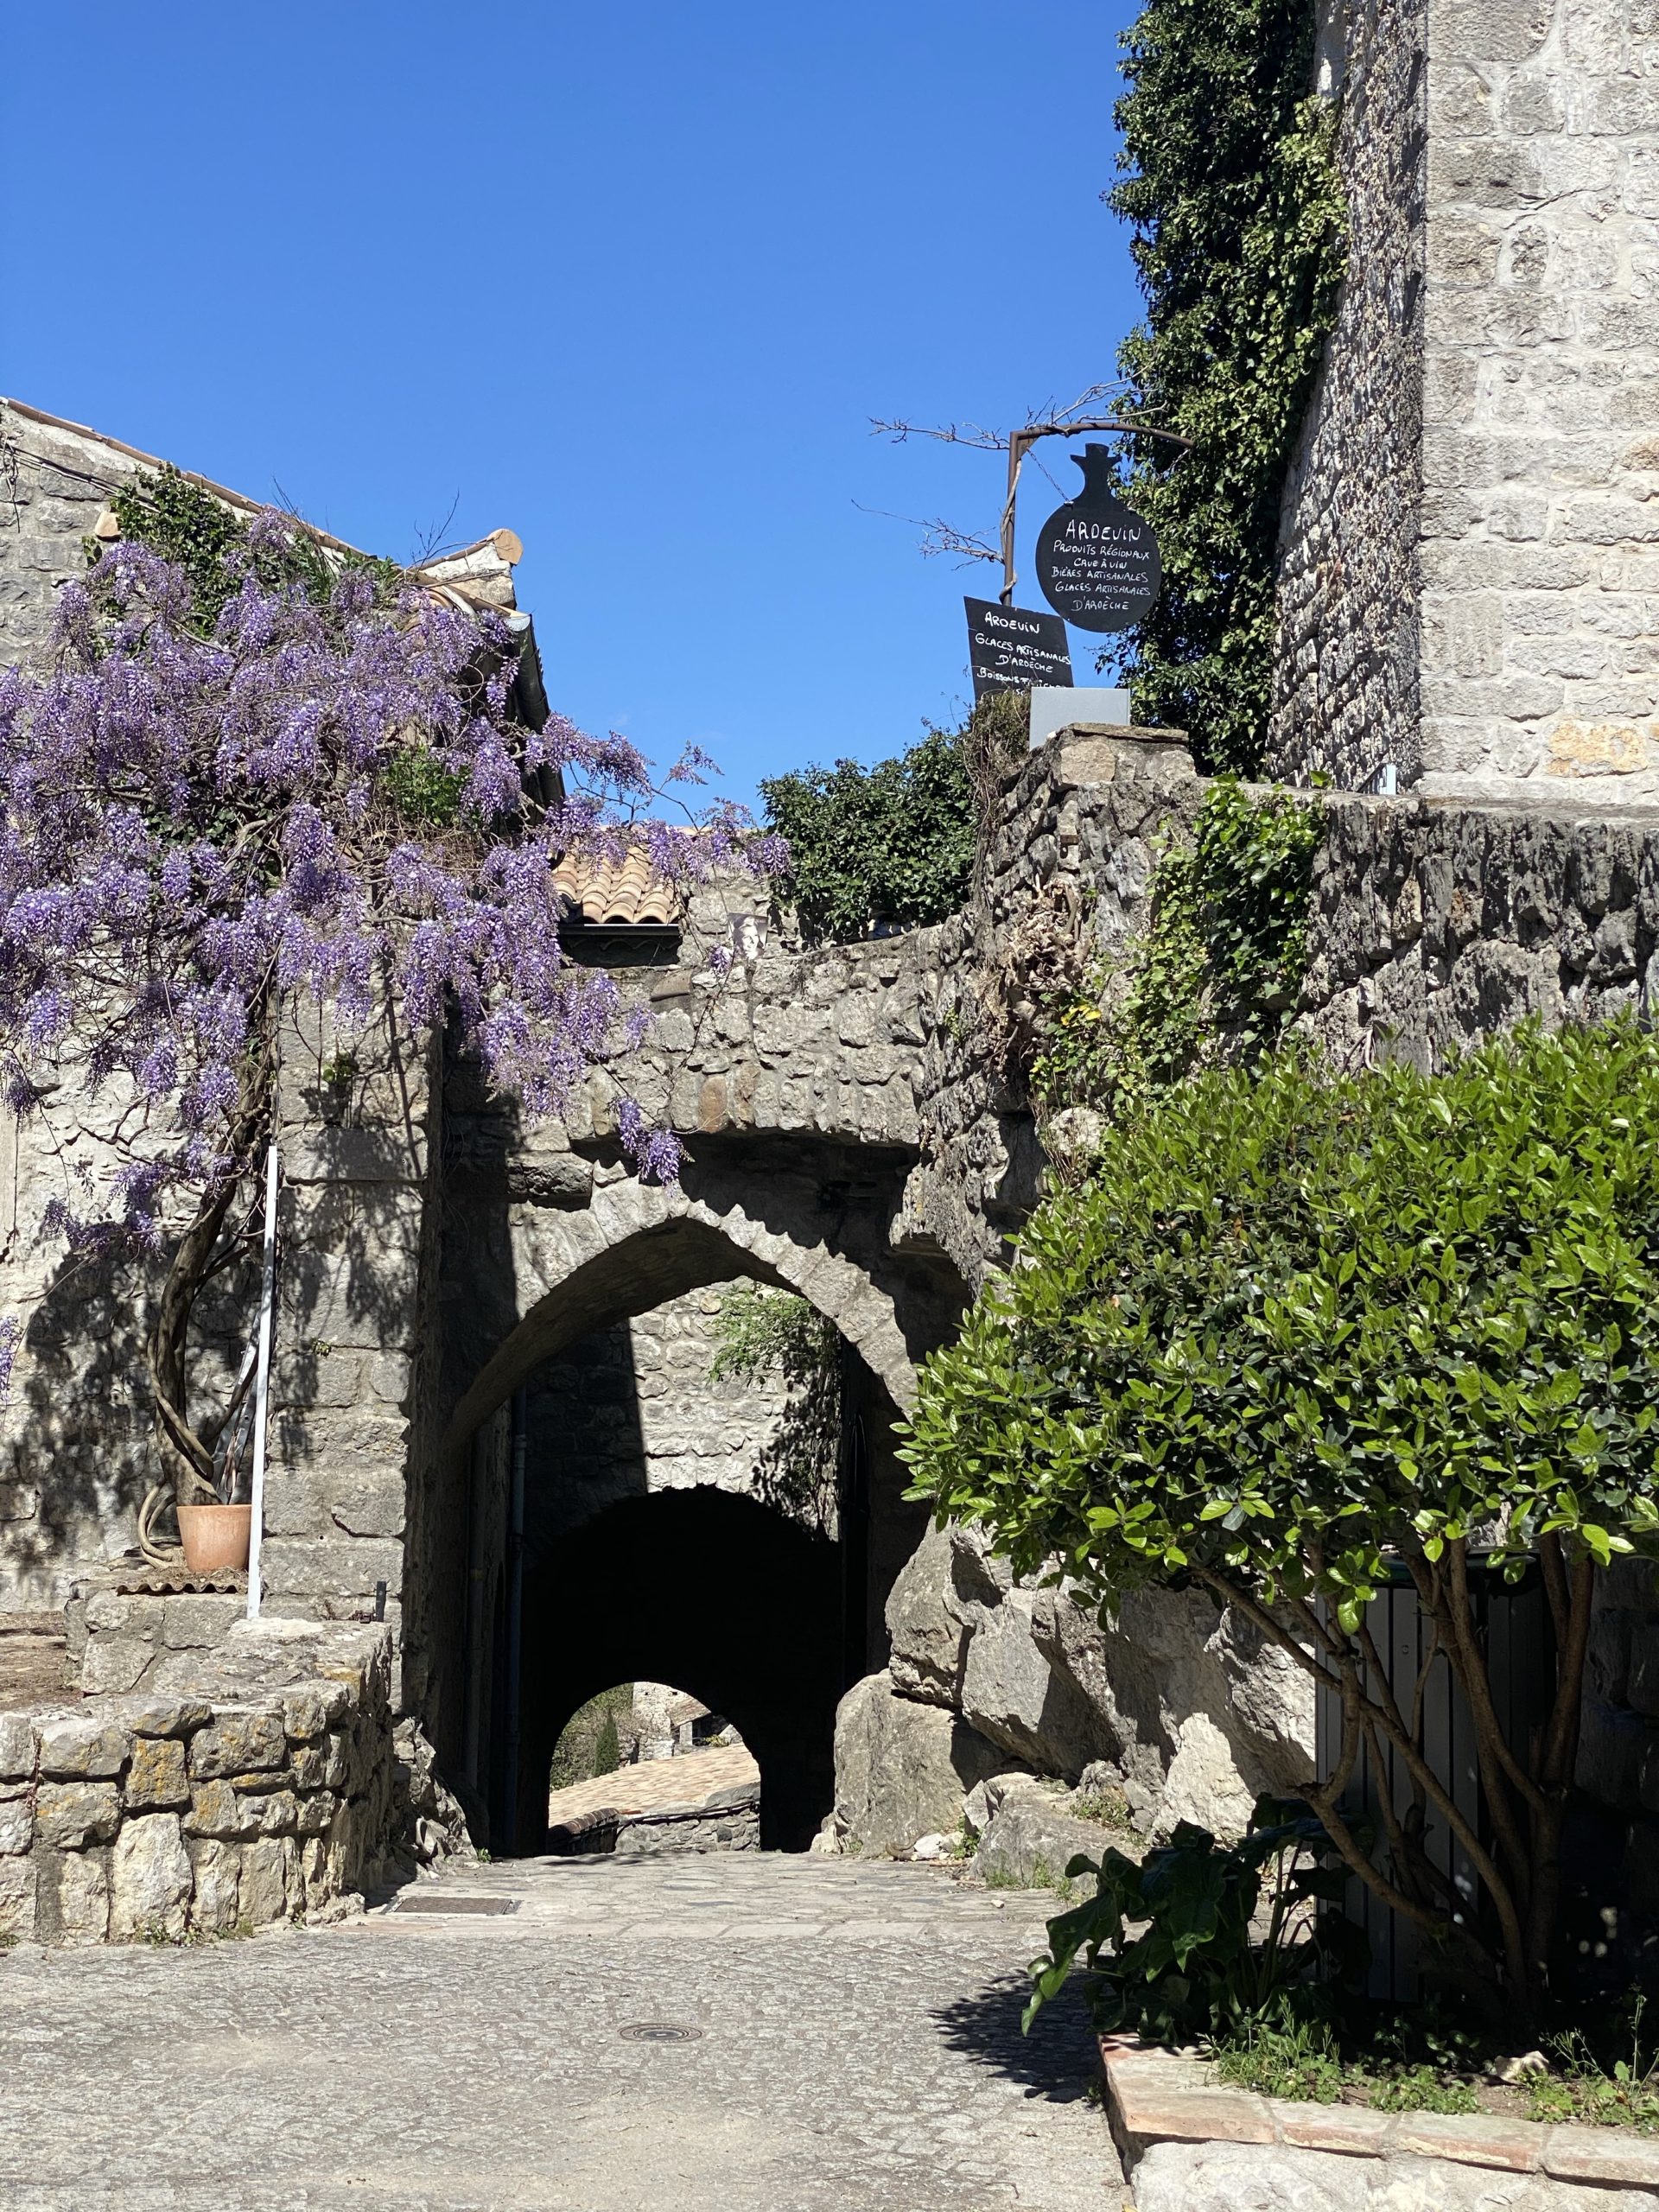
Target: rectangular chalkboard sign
(1010, 648)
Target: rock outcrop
(902, 1769)
(1188, 1710)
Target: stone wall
(258, 1788)
(730, 1819)
(1540, 448)
(1346, 675)
(1468, 557)
(54, 485)
(1071, 857)
(630, 1410)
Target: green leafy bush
(1241, 244)
(893, 843)
(1302, 1332)
(1195, 1968)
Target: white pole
(261, 1381)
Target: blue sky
(631, 280)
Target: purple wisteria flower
(323, 798)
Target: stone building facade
(857, 1134)
(632, 1410)
(1468, 564)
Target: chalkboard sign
(1097, 564)
(1011, 649)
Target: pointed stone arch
(633, 1247)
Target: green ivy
(1220, 964)
(1241, 245)
(181, 520)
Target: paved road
(656, 1783)
(856, 2050)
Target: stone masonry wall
(1540, 564)
(632, 1410)
(1469, 569)
(257, 1788)
(53, 488)
(1346, 675)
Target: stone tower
(1469, 578)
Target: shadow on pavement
(1057, 2061)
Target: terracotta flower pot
(215, 1536)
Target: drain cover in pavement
(418, 1904)
(660, 2031)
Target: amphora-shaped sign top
(1097, 562)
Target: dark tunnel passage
(724, 1597)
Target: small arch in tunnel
(725, 1598)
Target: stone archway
(722, 1596)
(543, 1276)
(527, 1281)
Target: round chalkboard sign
(1097, 564)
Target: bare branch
(949, 433)
(939, 536)
(429, 543)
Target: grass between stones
(1415, 2062)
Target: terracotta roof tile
(616, 892)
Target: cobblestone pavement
(856, 2050)
(654, 1783)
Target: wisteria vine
(322, 795)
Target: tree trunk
(185, 1455)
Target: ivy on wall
(1216, 975)
(1240, 243)
(182, 521)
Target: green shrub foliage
(1240, 243)
(1303, 1330)
(892, 844)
